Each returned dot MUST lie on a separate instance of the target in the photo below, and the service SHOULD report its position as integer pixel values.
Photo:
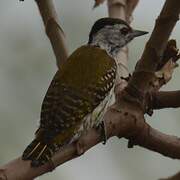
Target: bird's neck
(112, 49)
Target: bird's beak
(136, 33)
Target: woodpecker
(80, 92)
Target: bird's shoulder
(87, 64)
(78, 87)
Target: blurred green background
(27, 65)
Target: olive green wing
(76, 91)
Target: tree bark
(166, 99)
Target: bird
(80, 91)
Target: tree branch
(154, 140)
(160, 35)
(155, 47)
(125, 118)
(53, 30)
(122, 9)
(18, 169)
(116, 9)
(165, 99)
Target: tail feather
(38, 152)
(44, 146)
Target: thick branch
(122, 125)
(21, 170)
(154, 140)
(160, 35)
(155, 46)
(53, 30)
(164, 99)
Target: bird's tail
(39, 152)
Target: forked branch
(125, 118)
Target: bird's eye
(124, 31)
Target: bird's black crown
(99, 24)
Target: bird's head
(112, 34)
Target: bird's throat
(111, 49)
